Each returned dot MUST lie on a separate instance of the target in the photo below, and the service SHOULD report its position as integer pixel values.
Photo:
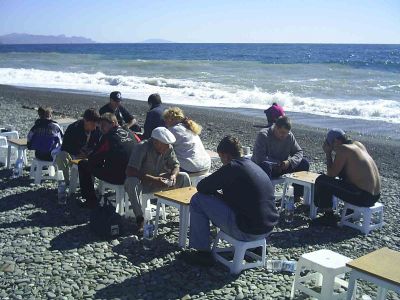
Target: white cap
(163, 135)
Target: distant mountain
(156, 41)
(23, 38)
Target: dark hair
(45, 112)
(345, 139)
(230, 145)
(154, 99)
(284, 122)
(91, 115)
(109, 118)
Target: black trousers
(304, 165)
(326, 187)
(86, 181)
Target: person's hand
(285, 165)
(327, 149)
(172, 177)
(161, 181)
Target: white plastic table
(21, 145)
(179, 198)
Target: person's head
(107, 122)
(175, 115)
(154, 100)
(162, 138)
(90, 119)
(45, 112)
(229, 148)
(282, 128)
(337, 137)
(115, 99)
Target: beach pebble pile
(47, 251)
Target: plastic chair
(73, 179)
(325, 268)
(368, 222)
(37, 172)
(3, 149)
(146, 202)
(121, 198)
(240, 251)
(195, 178)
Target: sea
(355, 87)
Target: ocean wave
(202, 93)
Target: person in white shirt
(188, 147)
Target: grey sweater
(268, 147)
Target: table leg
(313, 208)
(8, 164)
(352, 285)
(283, 200)
(157, 217)
(381, 294)
(185, 217)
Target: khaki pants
(63, 162)
(134, 188)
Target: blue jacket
(45, 136)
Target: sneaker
(140, 224)
(328, 219)
(198, 258)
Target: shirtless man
(358, 179)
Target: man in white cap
(152, 167)
(352, 176)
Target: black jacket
(247, 189)
(154, 119)
(113, 152)
(75, 139)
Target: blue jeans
(304, 165)
(206, 208)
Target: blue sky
(263, 21)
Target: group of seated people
(238, 197)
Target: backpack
(105, 222)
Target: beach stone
(8, 267)
(51, 295)
(186, 297)
(239, 296)
(25, 231)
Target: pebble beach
(48, 252)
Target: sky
(213, 21)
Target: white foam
(202, 93)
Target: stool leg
(237, 263)
(38, 174)
(328, 284)
(164, 215)
(366, 222)
(157, 218)
(283, 199)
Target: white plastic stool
(153, 207)
(366, 213)
(121, 199)
(73, 179)
(37, 172)
(325, 266)
(239, 249)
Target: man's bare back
(359, 167)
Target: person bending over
(125, 119)
(109, 160)
(80, 139)
(238, 198)
(153, 167)
(273, 113)
(45, 137)
(351, 176)
(277, 152)
(188, 147)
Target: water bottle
(281, 265)
(289, 209)
(148, 229)
(17, 171)
(62, 189)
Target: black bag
(105, 222)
